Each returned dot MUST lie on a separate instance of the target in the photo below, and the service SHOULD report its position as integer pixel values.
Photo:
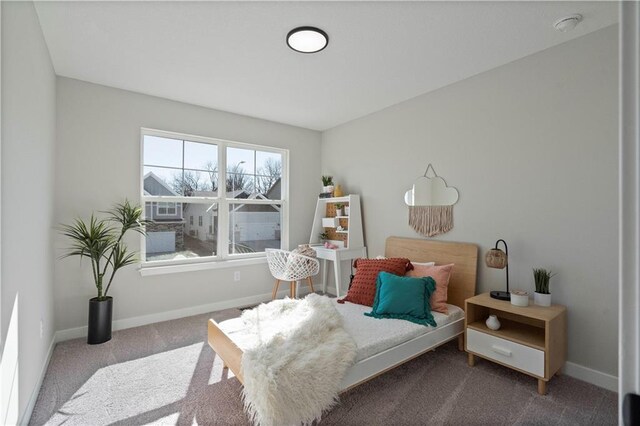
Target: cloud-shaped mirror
(432, 191)
(430, 203)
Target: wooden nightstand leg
(471, 360)
(461, 342)
(542, 387)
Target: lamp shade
(496, 258)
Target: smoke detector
(567, 23)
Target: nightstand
(532, 339)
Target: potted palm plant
(542, 296)
(101, 241)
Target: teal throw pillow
(404, 298)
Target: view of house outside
(188, 229)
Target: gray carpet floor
(165, 373)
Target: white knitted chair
(287, 266)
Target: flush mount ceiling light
(307, 39)
(567, 23)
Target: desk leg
(336, 266)
(324, 276)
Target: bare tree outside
(238, 178)
(189, 182)
(268, 175)
(212, 170)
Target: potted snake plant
(101, 241)
(542, 296)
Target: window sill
(146, 271)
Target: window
(167, 209)
(238, 191)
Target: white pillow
(424, 263)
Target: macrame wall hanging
(430, 203)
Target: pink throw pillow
(441, 275)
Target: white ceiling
(232, 56)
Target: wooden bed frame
(462, 285)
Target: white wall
(531, 147)
(28, 136)
(98, 163)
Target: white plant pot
(493, 323)
(327, 189)
(339, 212)
(542, 299)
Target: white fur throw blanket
(293, 374)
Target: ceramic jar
(493, 323)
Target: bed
(404, 341)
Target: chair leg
(311, 284)
(275, 290)
(292, 287)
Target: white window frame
(223, 258)
(166, 206)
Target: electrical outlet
(236, 276)
(41, 328)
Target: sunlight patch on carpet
(113, 392)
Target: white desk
(336, 256)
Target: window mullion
(223, 205)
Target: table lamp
(498, 259)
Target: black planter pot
(99, 320)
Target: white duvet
(371, 335)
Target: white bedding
(374, 335)
(371, 335)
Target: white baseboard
(590, 375)
(77, 332)
(26, 415)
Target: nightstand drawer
(507, 352)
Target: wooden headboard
(462, 283)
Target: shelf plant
(327, 184)
(541, 279)
(101, 241)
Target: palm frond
(128, 216)
(100, 240)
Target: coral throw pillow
(363, 287)
(441, 275)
